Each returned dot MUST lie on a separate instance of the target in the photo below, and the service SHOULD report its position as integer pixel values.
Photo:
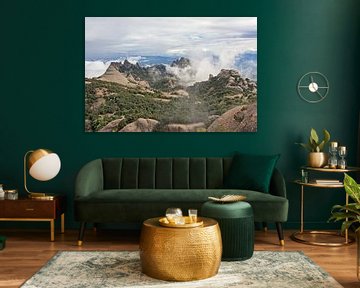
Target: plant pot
(317, 159)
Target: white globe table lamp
(43, 165)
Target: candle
(333, 144)
(342, 149)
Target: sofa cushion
(251, 172)
(266, 207)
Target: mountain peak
(182, 62)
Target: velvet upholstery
(134, 189)
(251, 172)
(236, 223)
(267, 208)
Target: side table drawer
(30, 209)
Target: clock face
(313, 87)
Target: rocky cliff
(133, 98)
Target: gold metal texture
(30, 158)
(180, 254)
(296, 237)
(41, 196)
(228, 198)
(36, 155)
(314, 184)
(337, 170)
(188, 224)
(317, 159)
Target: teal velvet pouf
(236, 221)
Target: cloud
(211, 43)
(95, 68)
(126, 36)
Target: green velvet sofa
(130, 190)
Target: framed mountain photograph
(170, 74)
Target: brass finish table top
(348, 169)
(314, 184)
(154, 222)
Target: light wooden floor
(28, 250)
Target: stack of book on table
(327, 181)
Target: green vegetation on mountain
(163, 99)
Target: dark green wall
(42, 83)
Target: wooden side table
(26, 209)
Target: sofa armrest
(277, 184)
(89, 179)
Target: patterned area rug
(122, 269)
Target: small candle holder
(304, 176)
(342, 153)
(333, 149)
(11, 194)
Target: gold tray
(228, 198)
(165, 222)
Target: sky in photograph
(198, 38)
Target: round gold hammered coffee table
(180, 254)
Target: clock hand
(321, 96)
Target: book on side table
(327, 181)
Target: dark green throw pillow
(251, 172)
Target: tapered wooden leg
(52, 230)
(265, 227)
(81, 233)
(280, 233)
(63, 223)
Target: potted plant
(317, 157)
(350, 214)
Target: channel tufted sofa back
(164, 173)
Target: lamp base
(41, 196)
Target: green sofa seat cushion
(251, 172)
(181, 195)
(266, 207)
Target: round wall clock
(313, 87)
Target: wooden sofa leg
(81, 233)
(265, 227)
(280, 233)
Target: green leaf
(352, 188)
(336, 216)
(321, 146)
(314, 135)
(346, 225)
(312, 144)
(350, 207)
(326, 136)
(306, 146)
